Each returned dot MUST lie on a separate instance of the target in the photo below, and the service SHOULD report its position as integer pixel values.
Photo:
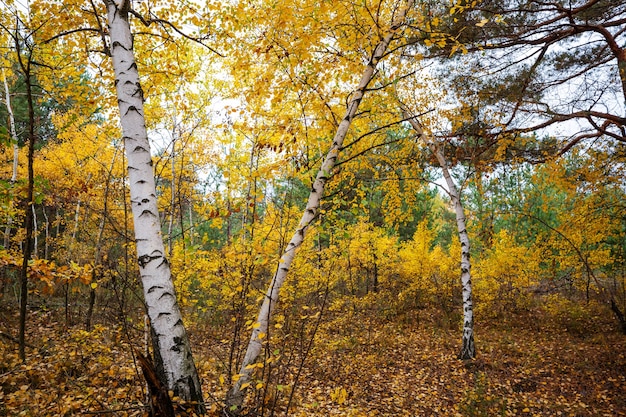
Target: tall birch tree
(171, 345)
(468, 349)
(235, 396)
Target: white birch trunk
(171, 345)
(235, 396)
(16, 149)
(76, 219)
(468, 350)
(170, 226)
(46, 245)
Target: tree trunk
(30, 201)
(170, 226)
(98, 251)
(35, 232)
(172, 349)
(468, 350)
(14, 140)
(46, 245)
(235, 396)
(619, 315)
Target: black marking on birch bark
(165, 294)
(139, 93)
(132, 66)
(284, 269)
(165, 313)
(154, 288)
(179, 322)
(141, 181)
(311, 211)
(144, 260)
(464, 270)
(163, 262)
(178, 342)
(117, 43)
(147, 213)
(132, 108)
(140, 148)
(323, 178)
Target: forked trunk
(171, 344)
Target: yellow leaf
(259, 385)
(94, 285)
(482, 23)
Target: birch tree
(171, 344)
(235, 397)
(14, 141)
(468, 349)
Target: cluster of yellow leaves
(505, 274)
(48, 273)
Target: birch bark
(468, 350)
(171, 345)
(235, 396)
(14, 140)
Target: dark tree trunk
(28, 244)
(620, 316)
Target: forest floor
(536, 365)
